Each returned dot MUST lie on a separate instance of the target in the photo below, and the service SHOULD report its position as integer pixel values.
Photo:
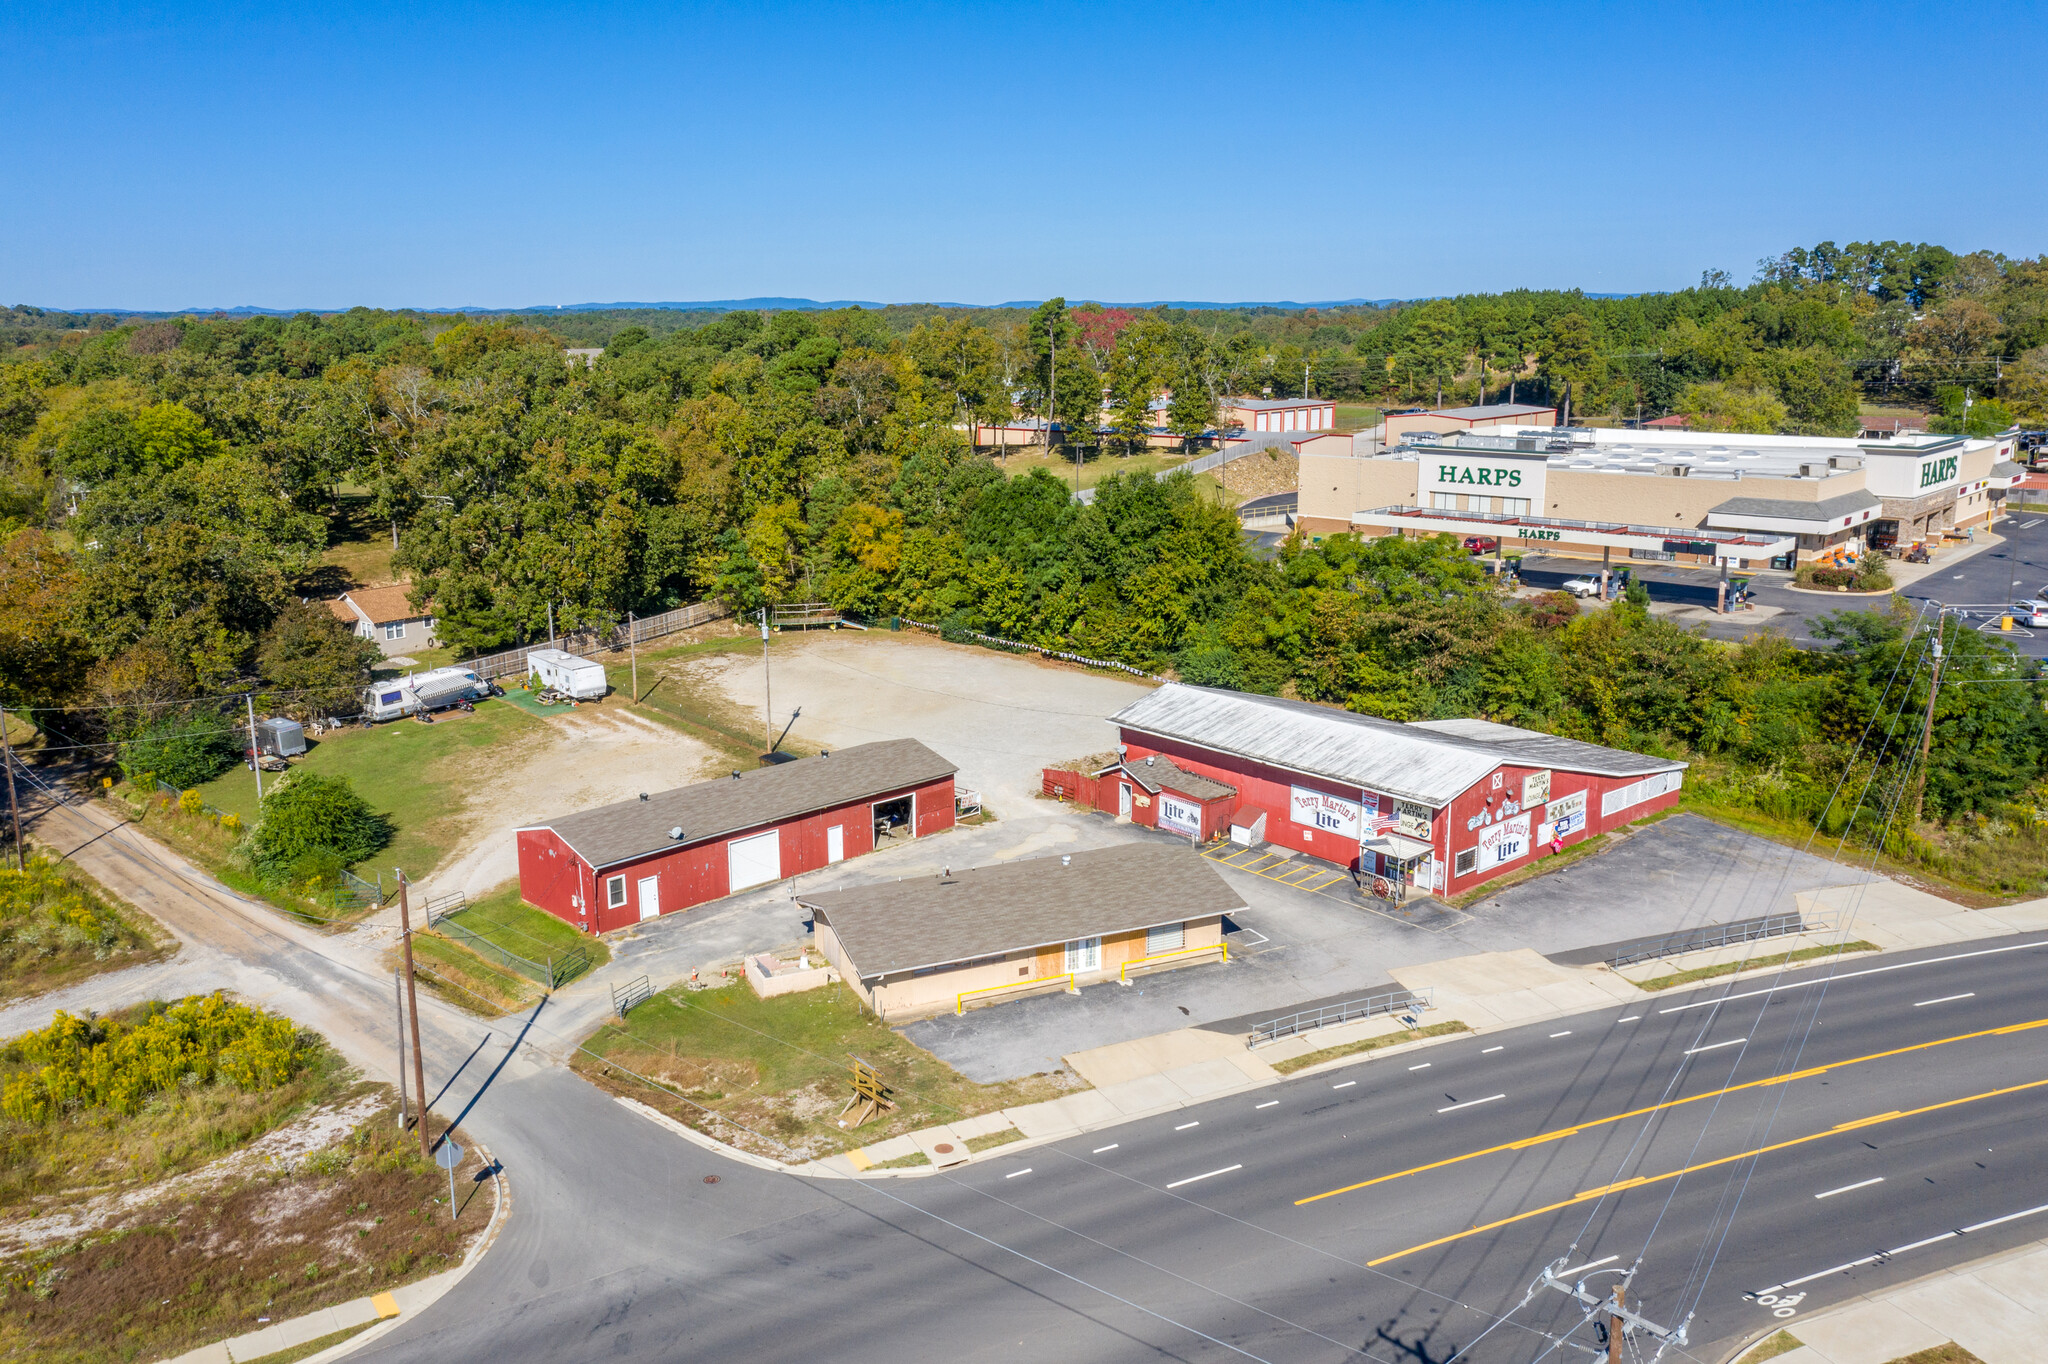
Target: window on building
(1467, 860)
(1443, 501)
(1479, 504)
(615, 892)
(1515, 506)
(395, 630)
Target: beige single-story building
(1398, 427)
(386, 617)
(936, 943)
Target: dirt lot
(589, 756)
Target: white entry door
(1123, 799)
(1084, 955)
(835, 843)
(751, 861)
(650, 896)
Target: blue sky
(214, 155)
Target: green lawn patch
(1729, 968)
(59, 926)
(466, 979)
(313, 1346)
(504, 919)
(990, 1140)
(1353, 417)
(413, 774)
(912, 1161)
(779, 1069)
(1950, 1353)
(1363, 1044)
(1782, 1343)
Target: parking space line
(1195, 1179)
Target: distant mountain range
(730, 305)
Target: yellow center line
(1575, 1129)
(1641, 1180)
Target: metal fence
(1718, 935)
(585, 643)
(1040, 649)
(1392, 1002)
(350, 890)
(634, 991)
(550, 973)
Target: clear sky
(208, 154)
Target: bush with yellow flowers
(47, 916)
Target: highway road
(1397, 1210)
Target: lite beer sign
(1937, 471)
(1320, 810)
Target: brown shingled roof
(381, 604)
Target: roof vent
(1065, 860)
(1151, 758)
(676, 833)
(643, 795)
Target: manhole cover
(711, 1179)
(944, 1148)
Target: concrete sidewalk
(1996, 1309)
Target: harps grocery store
(1696, 497)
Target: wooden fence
(585, 643)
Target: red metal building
(1442, 805)
(606, 868)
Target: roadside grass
(313, 1346)
(412, 774)
(501, 917)
(988, 1141)
(46, 943)
(1365, 1044)
(780, 1069)
(1771, 1347)
(463, 978)
(218, 1256)
(1950, 1353)
(915, 1160)
(1729, 968)
(203, 841)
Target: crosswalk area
(1288, 870)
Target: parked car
(1582, 587)
(1481, 544)
(2031, 612)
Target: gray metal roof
(630, 829)
(2005, 468)
(1421, 762)
(896, 926)
(1832, 509)
(1490, 410)
(1155, 772)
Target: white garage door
(750, 861)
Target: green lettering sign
(1937, 471)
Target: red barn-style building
(618, 864)
(1443, 805)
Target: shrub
(191, 802)
(42, 913)
(188, 751)
(1871, 574)
(309, 814)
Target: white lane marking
(1885, 1254)
(1488, 1051)
(1346, 1085)
(1632, 1018)
(1191, 1179)
(1470, 1103)
(1851, 975)
(1945, 999)
(1851, 1188)
(2028, 525)
(1267, 1104)
(1716, 1046)
(1424, 1066)
(1566, 1033)
(1590, 1264)
(1100, 1149)
(1014, 1173)
(1186, 1125)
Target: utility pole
(767, 693)
(13, 806)
(412, 1008)
(255, 758)
(1927, 726)
(398, 1018)
(633, 644)
(1614, 1324)
(551, 624)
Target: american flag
(1380, 824)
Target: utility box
(582, 678)
(285, 738)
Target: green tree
(308, 820)
(317, 664)
(1570, 356)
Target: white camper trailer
(582, 678)
(419, 693)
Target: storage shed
(935, 943)
(606, 868)
(1441, 805)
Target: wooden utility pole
(633, 644)
(13, 806)
(767, 694)
(255, 758)
(398, 1017)
(1927, 726)
(1614, 1328)
(412, 1009)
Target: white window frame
(1468, 862)
(1084, 954)
(1443, 501)
(394, 629)
(615, 892)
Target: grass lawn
(1364, 1044)
(45, 940)
(358, 544)
(465, 979)
(503, 918)
(1729, 968)
(208, 845)
(1353, 417)
(1771, 1347)
(411, 773)
(317, 1345)
(780, 1068)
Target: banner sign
(1320, 810)
(1567, 814)
(1414, 819)
(1184, 817)
(1535, 789)
(1502, 843)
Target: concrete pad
(1487, 973)
(1977, 1317)
(941, 1145)
(216, 1353)
(985, 1125)
(1868, 1333)
(415, 1296)
(1805, 1354)
(1146, 1094)
(1046, 1120)
(895, 1148)
(1206, 1078)
(1101, 1066)
(1252, 1066)
(2024, 1279)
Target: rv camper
(419, 693)
(582, 678)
